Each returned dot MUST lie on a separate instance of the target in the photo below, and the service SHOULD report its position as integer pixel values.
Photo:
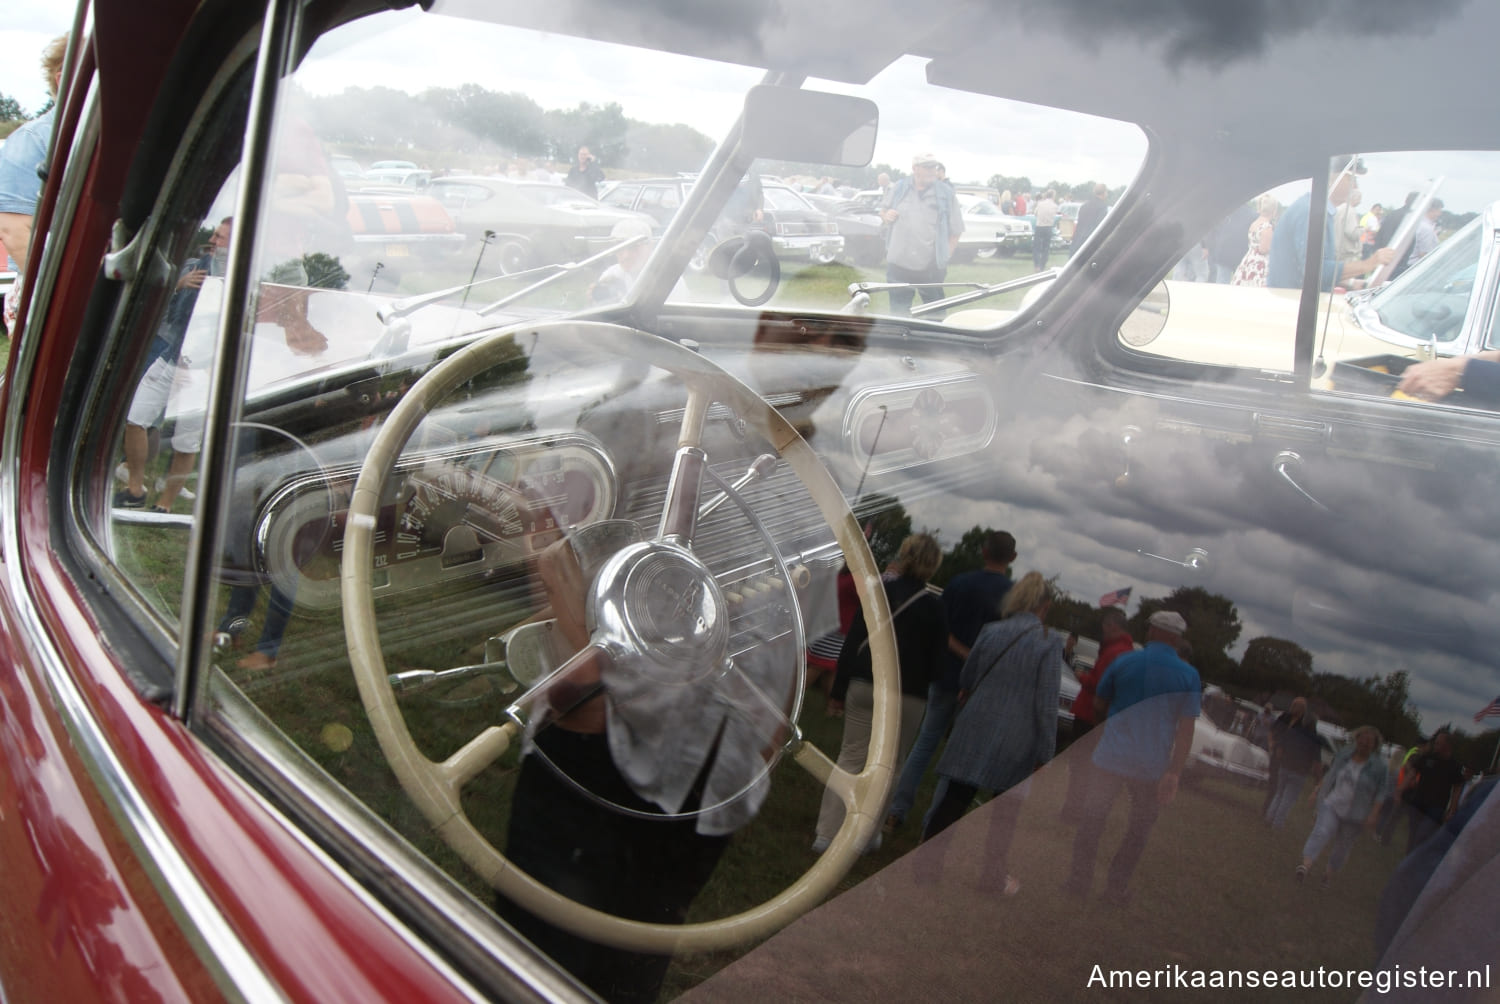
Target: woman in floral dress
(1252, 270)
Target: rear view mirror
(810, 127)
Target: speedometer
(452, 512)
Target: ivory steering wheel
(436, 787)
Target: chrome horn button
(659, 610)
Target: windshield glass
(574, 118)
(1430, 301)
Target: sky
(28, 25)
(963, 130)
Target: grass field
(804, 286)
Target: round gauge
(300, 547)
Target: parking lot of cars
(526, 223)
(798, 230)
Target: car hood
(1255, 327)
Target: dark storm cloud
(1210, 33)
(1395, 575)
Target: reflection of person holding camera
(163, 382)
(585, 175)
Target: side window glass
(1220, 306)
(621, 196)
(1421, 329)
(153, 426)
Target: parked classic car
(798, 230)
(1439, 307)
(859, 226)
(527, 223)
(1067, 222)
(347, 167)
(392, 225)
(988, 232)
(475, 669)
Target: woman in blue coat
(1007, 725)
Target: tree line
(472, 127)
(1268, 666)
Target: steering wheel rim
(436, 788)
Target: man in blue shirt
(1152, 698)
(1287, 264)
(24, 151)
(20, 185)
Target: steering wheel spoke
(563, 691)
(477, 754)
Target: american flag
(1120, 597)
(1492, 708)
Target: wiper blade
(549, 273)
(561, 270)
(859, 291)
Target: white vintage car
(1443, 305)
(989, 232)
(1440, 306)
(1215, 746)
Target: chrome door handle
(1283, 464)
(1197, 558)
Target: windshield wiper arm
(561, 270)
(859, 291)
(983, 290)
(550, 273)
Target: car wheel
(1004, 251)
(512, 255)
(825, 257)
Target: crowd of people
(982, 668)
(980, 673)
(1263, 243)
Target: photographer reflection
(642, 761)
(304, 231)
(171, 381)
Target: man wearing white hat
(1152, 698)
(922, 223)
